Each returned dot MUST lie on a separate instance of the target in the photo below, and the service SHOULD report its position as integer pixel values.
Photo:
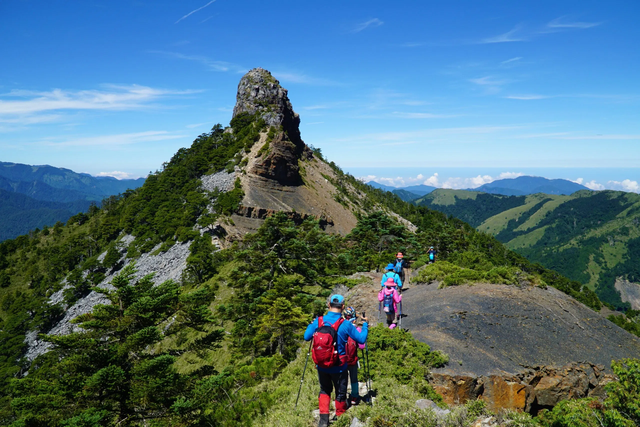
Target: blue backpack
(398, 267)
(387, 303)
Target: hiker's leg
(340, 381)
(391, 317)
(326, 387)
(353, 377)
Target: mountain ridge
(239, 222)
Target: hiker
(390, 298)
(353, 363)
(432, 255)
(330, 334)
(399, 266)
(391, 274)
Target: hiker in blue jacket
(391, 274)
(336, 376)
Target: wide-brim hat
(390, 267)
(399, 255)
(390, 282)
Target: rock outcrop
(260, 94)
(629, 292)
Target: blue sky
(398, 91)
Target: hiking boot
(324, 420)
(354, 400)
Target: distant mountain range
(592, 237)
(521, 186)
(34, 196)
(405, 193)
(525, 185)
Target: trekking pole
(366, 346)
(303, 371)
(400, 314)
(379, 310)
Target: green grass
(499, 222)
(527, 240)
(542, 212)
(445, 197)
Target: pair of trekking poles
(365, 358)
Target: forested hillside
(219, 345)
(591, 237)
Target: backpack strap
(320, 322)
(337, 324)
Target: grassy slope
(445, 197)
(591, 238)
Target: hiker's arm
(359, 336)
(311, 329)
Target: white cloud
(117, 98)
(508, 61)
(593, 185)
(212, 64)
(108, 141)
(375, 22)
(117, 175)
(558, 24)
(194, 11)
(625, 185)
(509, 175)
(432, 180)
(507, 37)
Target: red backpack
(325, 344)
(352, 352)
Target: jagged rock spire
(260, 93)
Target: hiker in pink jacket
(389, 299)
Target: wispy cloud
(23, 107)
(490, 84)
(214, 65)
(527, 97)
(603, 136)
(558, 23)
(509, 61)
(436, 180)
(301, 78)
(509, 36)
(110, 141)
(195, 10)
(371, 23)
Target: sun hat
(390, 282)
(336, 299)
(399, 255)
(389, 267)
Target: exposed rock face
(629, 292)
(260, 93)
(166, 265)
(531, 391)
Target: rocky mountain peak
(261, 94)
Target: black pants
(339, 381)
